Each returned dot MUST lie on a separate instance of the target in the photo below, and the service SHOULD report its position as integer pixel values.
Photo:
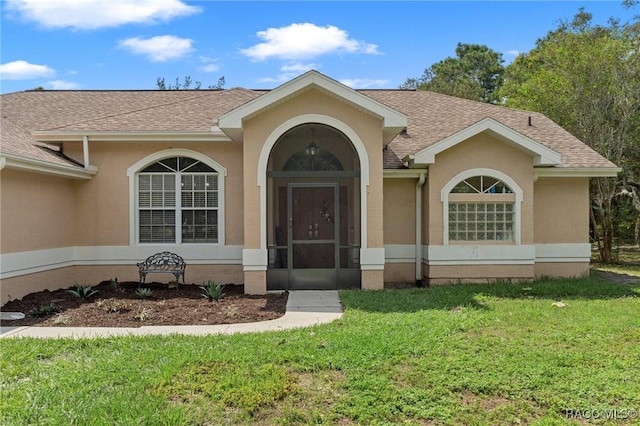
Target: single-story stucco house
(311, 185)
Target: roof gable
(543, 156)
(393, 121)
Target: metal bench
(166, 262)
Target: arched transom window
(481, 207)
(178, 201)
(481, 185)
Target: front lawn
(551, 352)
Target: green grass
(462, 355)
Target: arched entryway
(313, 210)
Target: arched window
(482, 207)
(178, 201)
(481, 185)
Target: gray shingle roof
(431, 118)
(16, 141)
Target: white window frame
(132, 173)
(496, 174)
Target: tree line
(586, 78)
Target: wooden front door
(312, 240)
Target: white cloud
(209, 64)
(512, 52)
(159, 48)
(209, 68)
(92, 14)
(62, 85)
(289, 72)
(23, 70)
(298, 68)
(268, 80)
(301, 41)
(364, 83)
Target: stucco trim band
(504, 254)
(372, 259)
(563, 253)
(481, 255)
(255, 259)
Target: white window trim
(446, 190)
(132, 173)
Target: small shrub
(84, 292)
(142, 315)
(113, 282)
(232, 311)
(212, 291)
(61, 319)
(144, 292)
(44, 310)
(114, 306)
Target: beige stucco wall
(256, 132)
(372, 280)
(480, 151)
(194, 274)
(441, 274)
(40, 212)
(312, 101)
(563, 269)
(102, 207)
(400, 273)
(399, 211)
(36, 211)
(254, 282)
(18, 287)
(561, 213)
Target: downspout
(419, 185)
(85, 151)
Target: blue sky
(127, 44)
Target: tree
(587, 78)
(186, 84)
(475, 73)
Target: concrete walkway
(304, 308)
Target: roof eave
(542, 155)
(16, 162)
(394, 121)
(576, 172)
(215, 135)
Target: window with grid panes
(481, 219)
(178, 202)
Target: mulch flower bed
(118, 305)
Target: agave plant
(212, 291)
(84, 292)
(44, 310)
(144, 292)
